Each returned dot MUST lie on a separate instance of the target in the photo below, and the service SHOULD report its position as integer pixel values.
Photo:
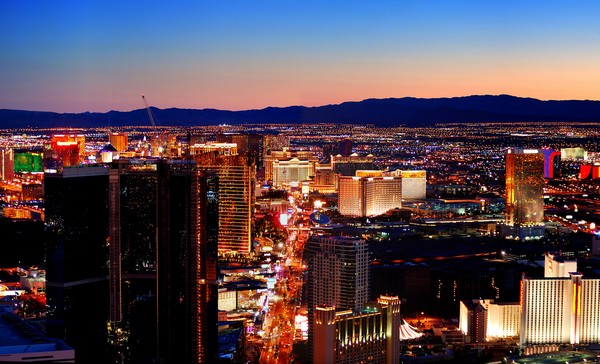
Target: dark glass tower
(77, 260)
(134, 239)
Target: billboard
(28, 162)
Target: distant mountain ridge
(407, 111)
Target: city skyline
(67, 57)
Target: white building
(414, 184)
(484, 320)
(556, 266)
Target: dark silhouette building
(134, 239)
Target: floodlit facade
(483, 320)
(414, 184)
(556, 266)
(560, 311)
(364, 195)
(276, 157)
(371, 335)
(524, 194)
(291, 171)
(233, 186)
(503, 320)
(218, 148)
(119, 141)
(7, 164)
(350, 196)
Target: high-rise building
(370, 335)
(77, 260)
(524, 194)
(291, 172)
(250, 145)
(559, 310)
(7, 164)
(161, 264)
(234, 176)
(118, 140)
(130, 244)
(557, 266)
(368, 194)
(473, 321)
(218, 148)
(551, 163)
(338, 274)
(65, 150)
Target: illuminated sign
(28, 162)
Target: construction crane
(149, 112)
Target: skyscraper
(130, 262)
(7, 164)
(160, 262)
(77, 260)
(524, 194)
(235, 176)
(338, 275)
(119, 141)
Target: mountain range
(408, 111)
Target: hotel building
(524, 194)
(370, 335)
(484, 320)
(338, 274)
(233, 186)
(369, 193)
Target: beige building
(369, 193)
(371, 335)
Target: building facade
(7, 164)
(119, 141)
(370, 335)
(560, 311)
(338, 274)
(363, 195)
(348, 165)
(233, 180)
(129, 251)
(524, 194)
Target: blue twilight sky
(73, 56)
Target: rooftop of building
(19, 337)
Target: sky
(76, 56)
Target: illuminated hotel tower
(338, 275)
(371, 335)
(369, 193)
(524, 194)
(119, 141)
(561, 308)
(234, 191)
